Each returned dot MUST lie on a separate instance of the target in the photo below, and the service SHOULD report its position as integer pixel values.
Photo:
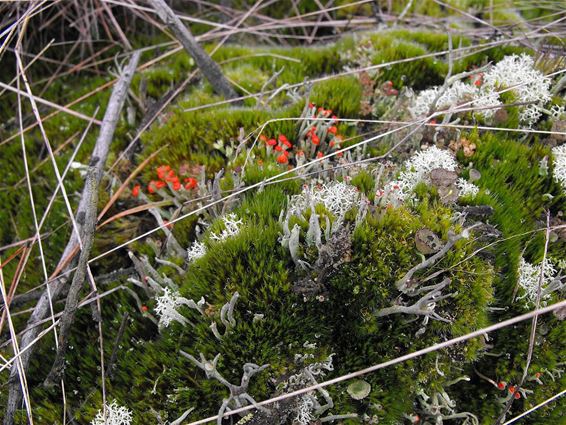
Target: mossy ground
(150, 373)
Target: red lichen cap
(191, 183)
(501, 385)
(282, 159)
(136, 191)
(171, 176)
(162, 171)
(271, 142)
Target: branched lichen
(238, 393)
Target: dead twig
(71, 304)
(98, 160)
(208, 67)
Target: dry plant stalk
(71, 304)
(98, 159)
(208, 67)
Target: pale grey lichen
(559, 169)
(530, 279)
(169, 302)
(231, 228)
(196, 251)
(337, 197)
(115, 415)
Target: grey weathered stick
(72, 302)
(99, 155)
(208, 67)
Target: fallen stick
(98, 159)
(207, 66)
(72, 302)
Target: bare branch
(87, 237)
(99, 155)
(208, 67)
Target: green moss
(342, 95)
(150, 373)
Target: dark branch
(100, 153)
(208, 67)
(72, 302)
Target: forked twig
(98, 160)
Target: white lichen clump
(529, 276)
(337, 197)
(449, 98)
(515, 75)
(115, 415)
(231, 227)
(557, 111)
(166, 308)
(309, 405)
(418, 168)
(466, 188)
(527, 84)
(559, 173)
(305, 410)
(195, 251)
